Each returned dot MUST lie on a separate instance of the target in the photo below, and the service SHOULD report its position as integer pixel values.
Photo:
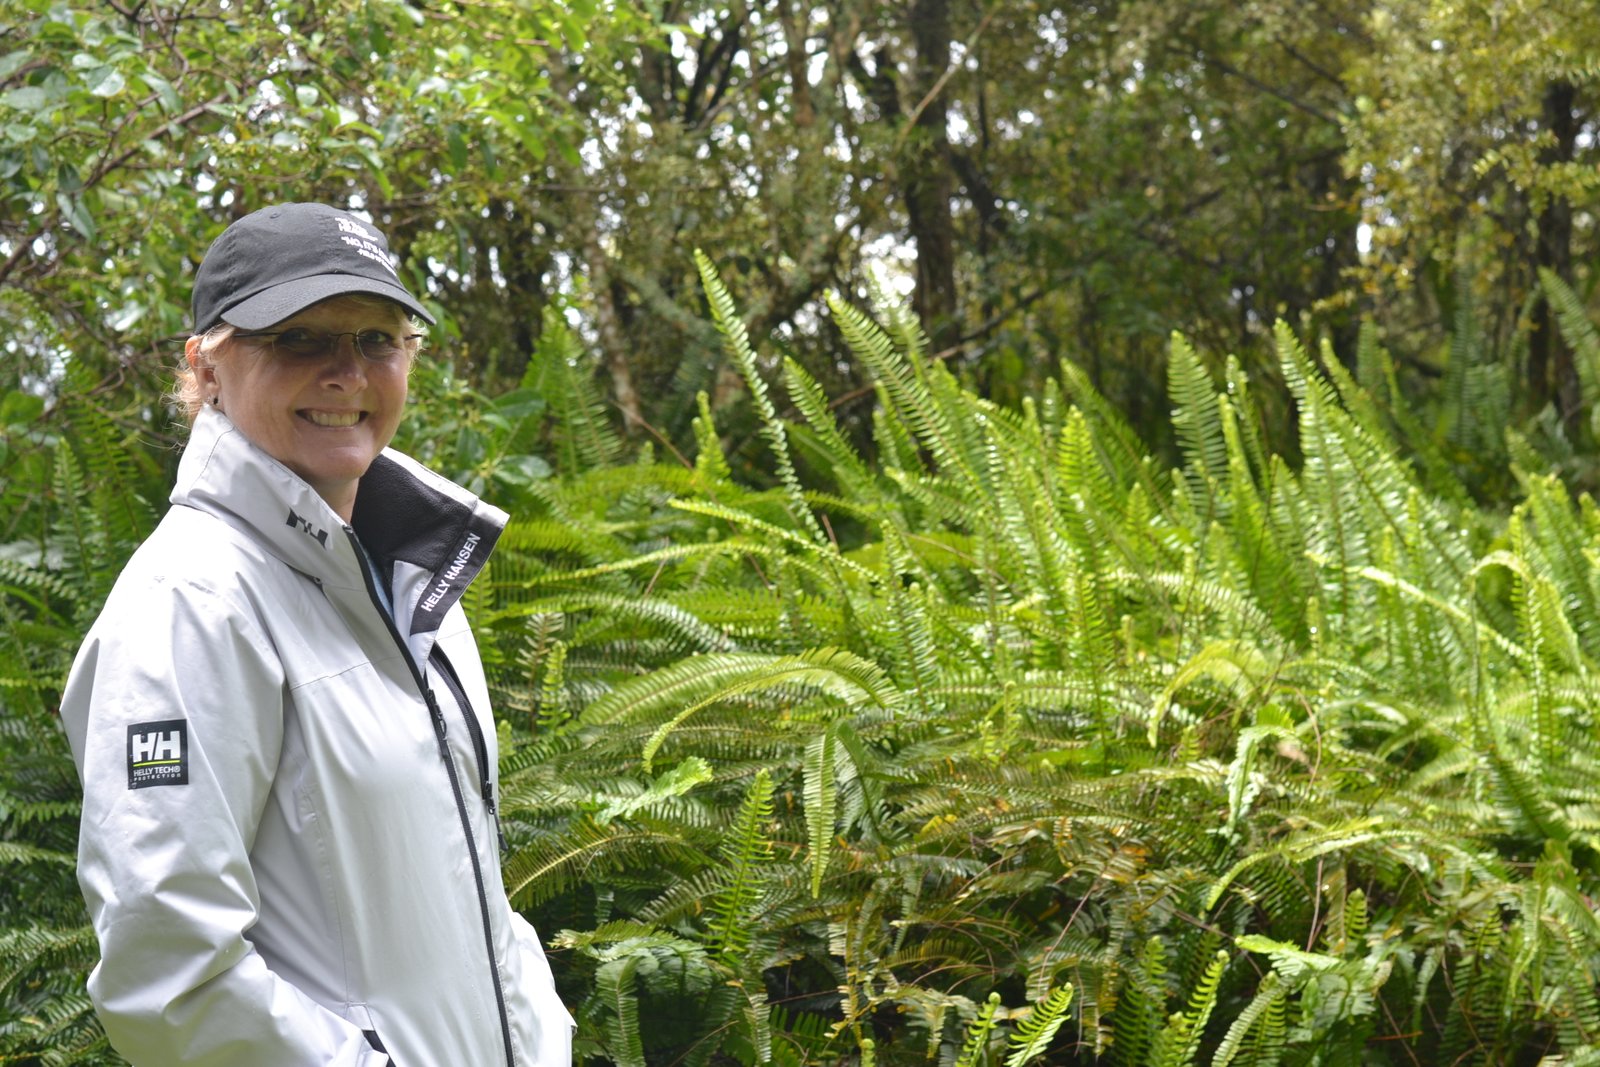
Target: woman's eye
(299, 340)
(374, 337)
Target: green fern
(736, 342)
(974, 1051)
(1257, 1036)
(1578, 330)
(821, 803)
(1033, 1035)
(558, 372)
(1178, 1043)
(1197, 419)
(746, 851)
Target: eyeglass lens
(303, 344)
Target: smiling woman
(281, 719)
(323, 406)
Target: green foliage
(88, 499)
(977, 1043)
(1033, 1035)
(1056, 677)
(1042, 704)
(1231, 762)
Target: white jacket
(289, 845)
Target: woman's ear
(205, 372)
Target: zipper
(480, 748)
(440, 731)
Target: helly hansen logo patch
(304, 525)
(158, 753)
(447, 577)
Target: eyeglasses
(301, 345)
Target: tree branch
(1234, 72)
(53, 216)
(938, 86)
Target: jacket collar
(436, 534)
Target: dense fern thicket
(1011, 744)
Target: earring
(216, 401)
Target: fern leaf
(905, 387)
(842, 459)
(558, 373)
(1579, 332)
(27, 950)
(709, 462)
(1033, 1035)
(746, 849)
(821, 803)
(614, 982)
(689, 773)
(753, 523)
(1136, 1018)
(1255, 1020)
(1179, 1042)
(1197, 419)
(736, 342)
(977, 1042)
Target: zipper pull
(494, 813)
(439, 727)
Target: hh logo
(158, 753)
(320, 536)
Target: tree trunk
(1337, 195)
(794, 53)
(613, 347)
(1552, 371)
(926, 172)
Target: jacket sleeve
(174, 709)
(552, 1042)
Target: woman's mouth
(333, 418)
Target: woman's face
(324, 418)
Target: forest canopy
(1044, 182)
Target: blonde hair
(186, 392)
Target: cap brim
(271, 306)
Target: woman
(289, 838)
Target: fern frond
(777, 533)
(557, 372)
(614, 982)
(736, 342)
(821, 803)
(1179, 1041)
(1033, 1035)
(843, 461)
(701, 681)
(977, 1043)
(709, 463)
(906, 388)
(1136, 1019)
(1262, 1020)
(30, 949)
(1578, 330)
(1197, 419)
(745, 850)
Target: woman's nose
(345, 362)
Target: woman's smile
(334, 418)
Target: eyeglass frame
(330, 342)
